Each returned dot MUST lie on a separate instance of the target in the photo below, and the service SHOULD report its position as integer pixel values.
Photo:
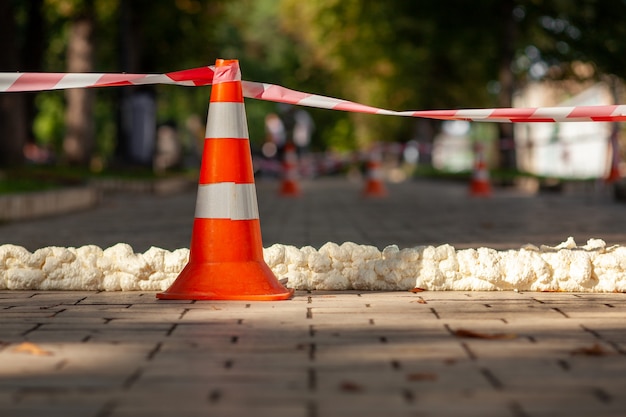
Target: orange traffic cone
(290, 186)
(479, 185)
(374, 186)
(614, 174)
(226, 254)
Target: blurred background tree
(396, 54)
(13, 123)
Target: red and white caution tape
(44, 81)
(611, 113)
(16, 82)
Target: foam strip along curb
(203, 76)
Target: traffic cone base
(252, 281)
(374, 185)
(225, 263)
(480, 189)
(614, 175)
(374, 188)
(289, 188)
(480, 185)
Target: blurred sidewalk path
(422, 212)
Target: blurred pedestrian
(303, 130)
(275, 136)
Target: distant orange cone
(289, 186)
(614, 174)
(226, 254)
(480, 185)
(374, 186)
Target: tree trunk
(137, 105)
(79, 142)
(425, 134)
(507, 157)
(32, 56)
(13, 127)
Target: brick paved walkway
(322, 354)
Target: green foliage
(106, 123)
(11, 186)
(341, 136)
(48, 124)
(397, 55)
(394, 54)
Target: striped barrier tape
(44, 81)
(20, 82)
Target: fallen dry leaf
(349, 386)
(421, 376)
(417, 289)
(595, 350)
(470, 334)
(31, 348)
